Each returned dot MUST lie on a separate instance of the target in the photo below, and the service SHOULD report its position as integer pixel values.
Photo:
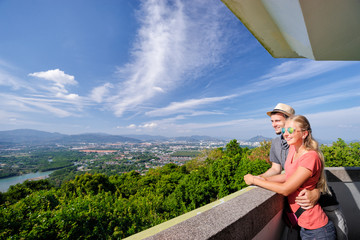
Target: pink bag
(291, 218)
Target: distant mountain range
(259, 139)
(35, 137)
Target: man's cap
(282, 108)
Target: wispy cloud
(169, 123)
(48, 107)
(325, 99)
(285, 73)
(46, 93)
(291, 71)
(172, 46)
(99, 93)
(339, 123)
(341, 117)
(59, 80)
(9, 80)
(228, 127)
(60, 108)
(343, 123)
(186, 106)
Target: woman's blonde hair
(311, 144)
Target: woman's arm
(291, 185)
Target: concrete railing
(254, 213)
(346, 183)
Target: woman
(304, 168)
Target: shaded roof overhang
(314, 29)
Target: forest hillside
(97, 206)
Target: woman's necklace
(298, 154)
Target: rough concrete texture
(343, 174)
(239, 218)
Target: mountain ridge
(30, 136)
(37, 137)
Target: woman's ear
(305, 134)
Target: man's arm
(275, 162)
(280, 178)
(308, 198)
(274, 170)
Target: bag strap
(299, 212)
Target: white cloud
(149, 125)
(173, 46)
(186, 106)
(8, 79)
(159, 89)
(326, 125)
(49, 108)
(325, 99)
(41, 105)
(341, 117)
(59, 81)
(54, 96)
(296, 70)
(98, 93)
(131, 126)
(342, 123)
(24, 104)
(57, 76)
(7, 115)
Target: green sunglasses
(290, 130)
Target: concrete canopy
(314, 29)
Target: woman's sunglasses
(290, 130)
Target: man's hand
(307, 199)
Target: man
(279, 147)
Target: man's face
(278, 122)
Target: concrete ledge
(241, 217)
(346, 184)
(343, 174)
(254, 213)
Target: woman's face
(293, 133)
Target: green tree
(262, 152)
(233, 148)
(341, 154)
(21, 190)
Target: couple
(304, 179)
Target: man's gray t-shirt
(279, 151)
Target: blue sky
(171, 68)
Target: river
(5, 183)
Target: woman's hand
(249, 179)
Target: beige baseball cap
(282, 108)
